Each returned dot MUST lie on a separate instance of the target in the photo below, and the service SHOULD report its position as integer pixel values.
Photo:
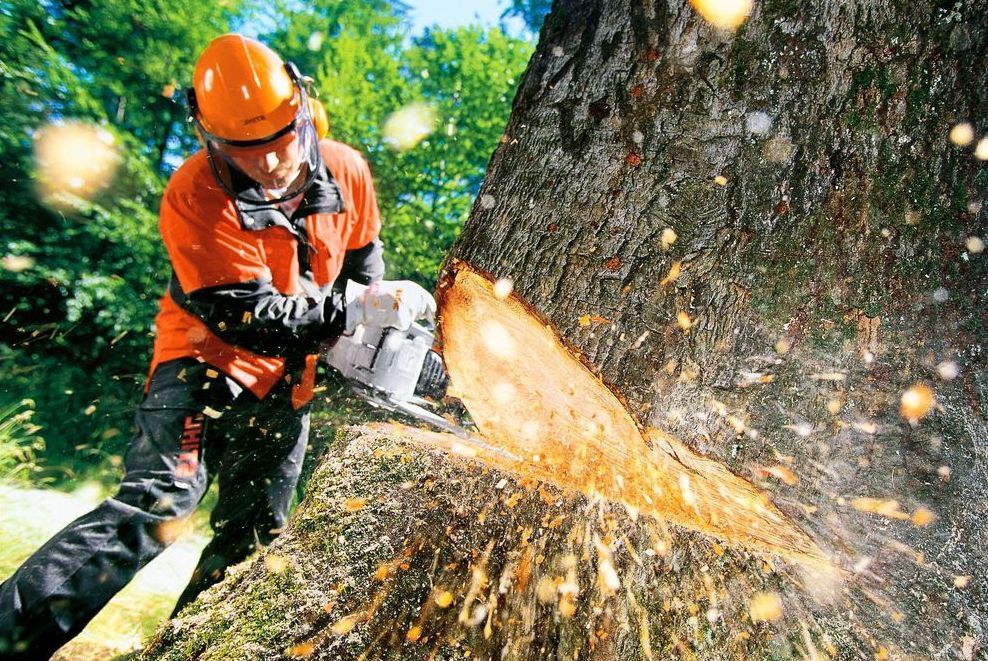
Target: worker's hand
(387, 303)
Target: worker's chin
(277, 182)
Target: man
(264, 227)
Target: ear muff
(319, 117)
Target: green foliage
(469, 76)
(76, 314)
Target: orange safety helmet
(243, 91)
(244, 102)
(320, 118)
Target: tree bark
(761, 240)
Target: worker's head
(251, 111)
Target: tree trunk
(762, 240)
(822, 219)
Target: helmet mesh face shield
(274, 170)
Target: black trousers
(194, 425)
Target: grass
(19, 441)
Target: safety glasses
(270, 145)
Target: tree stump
(410, 545)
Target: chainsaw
(396, 370)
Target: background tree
(768, 242)
(365, 70)
(532, 12)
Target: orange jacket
(251, 292)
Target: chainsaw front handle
(387, 303)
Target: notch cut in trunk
(550, 418)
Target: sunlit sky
(426, 13)
(451, 14)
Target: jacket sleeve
(364, 265)
(364, 258)
(256, 316)
(220, 276)
(367, 222)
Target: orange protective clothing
(214, 240)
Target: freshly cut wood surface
(532, 397)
